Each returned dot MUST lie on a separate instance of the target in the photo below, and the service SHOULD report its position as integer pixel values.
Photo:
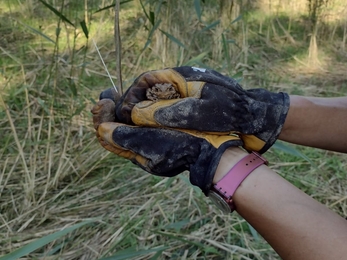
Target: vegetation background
(54, 174)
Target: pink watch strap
(232, 180)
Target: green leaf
(149, 38)
(84, 28)
(202, 246)
(144, 10)
(178, 225)
(196, 59)
(93, 100)
(59, 14)
(238, 76)
(39, 33)
(43, 105)
(57, 31)
(20, 90)
(152, 17)
(132, 252)
(31, 247)
(174, 39)
(290, 150)
(253, 232)
(226, 51)
(79, 110)
(73, 88)
(156, 256)
(197, 9)
(210, 26)
(112, 6)
(187, 181)
(237, 19)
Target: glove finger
(161, 152)
(103, 111)
(110, 93)
(137, 92)
(105, 133)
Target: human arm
(293, 223)
(317, 122)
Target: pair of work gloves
(166, 137)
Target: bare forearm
(317, 122)
(294, 224)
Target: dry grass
(54, 174)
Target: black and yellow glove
(209, 102)
(163, 152)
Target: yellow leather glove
(209, 102)
(163, 152)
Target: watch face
(219, 202)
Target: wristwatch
(221, 193)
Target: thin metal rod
(109, 75)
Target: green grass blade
(156, 256)
(178, 225)
(39, 33)
(196, 59)
(59, 14)
(31, 247)
(210, 26)
(43, 105)
(236, 19)
(175, 236)
(112, 6)
(226, 52)
(290, 150)
(84, 28)
(79, 110)
(174, 39)
(197, 7)
(149, 38)
(131, 252)
(152, 17)
(144, 10)
(253, 232)
(238, 76)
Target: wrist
(233, 168)
(228, 160)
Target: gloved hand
(210, 102)
(163, 152)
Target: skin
(317, 122)
(294, 224)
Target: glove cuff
(271, 110)
(203, 171)
(279, 110)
